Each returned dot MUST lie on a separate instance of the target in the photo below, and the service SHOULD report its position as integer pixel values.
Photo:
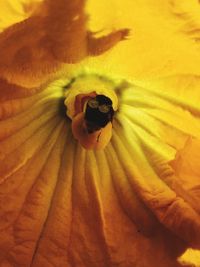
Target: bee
(93, 126)
(98, 113)
(90, 104)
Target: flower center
(91, 102)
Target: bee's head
(98, 113)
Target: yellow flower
(134, 202)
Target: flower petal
(57, 198)
(32, 142)
(155, 47)
(142, 119)
(92, 225)
(16, 11)
(186, 167)
(189, 17)
(157, 192)
(61, 204)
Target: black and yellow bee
(98, 113)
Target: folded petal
(187, 169)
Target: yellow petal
(187, 12)
(164, 107)
(157, 45)
(60, 204)
(14, 11)
(186, 167)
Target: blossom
(134, 202)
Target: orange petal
(187, 167)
